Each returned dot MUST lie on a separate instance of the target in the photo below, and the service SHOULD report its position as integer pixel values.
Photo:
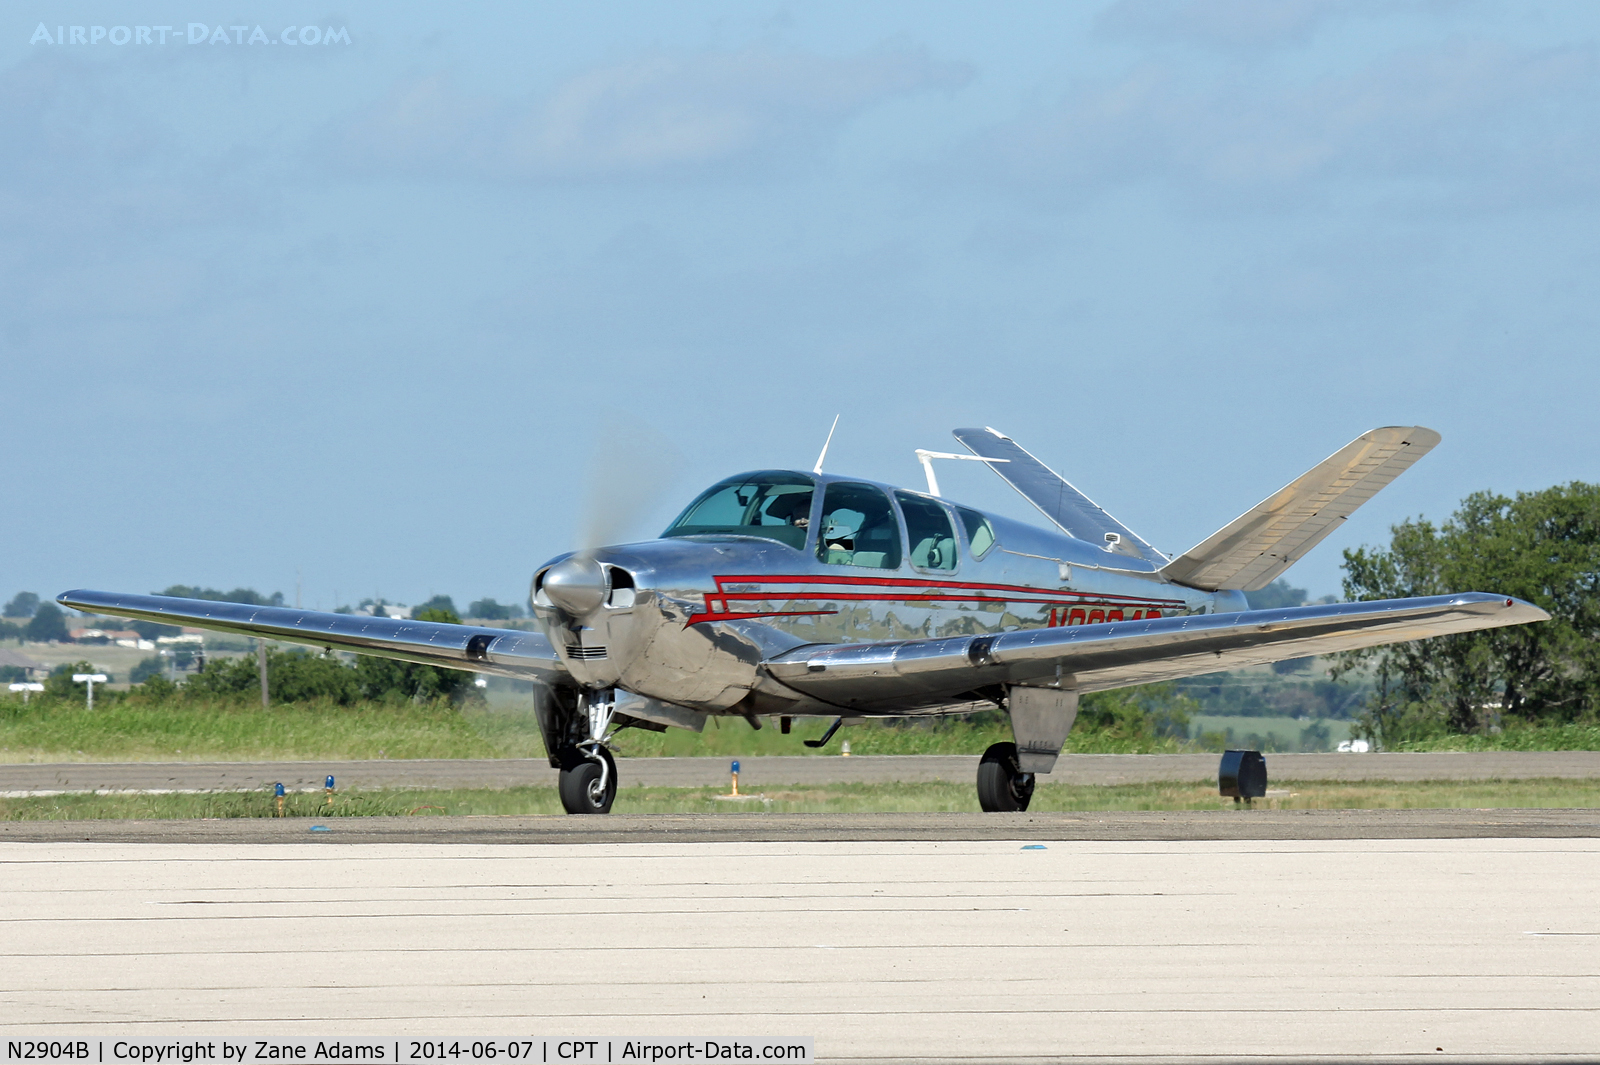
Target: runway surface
(1293, 949)
(39, 779)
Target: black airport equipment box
(1242, 774)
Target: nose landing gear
(588, 771)
(589, 784)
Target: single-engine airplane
(780, 593)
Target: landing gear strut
(588, 772)
(1002, 785)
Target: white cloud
(1469, 122)
(653, 115)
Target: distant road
(36, 779)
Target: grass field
(504, 728)
(1575, 736)
(841, 798)
(229, 731)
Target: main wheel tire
(1002, 785)
(580, 785)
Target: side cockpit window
(773, 504)
(980, 534)
(928, 531)
(858, 527)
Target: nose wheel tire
(581, 789)
(1002, 785)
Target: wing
(1252, 550)
(902, 675)
(1072, 511)
(506, 652)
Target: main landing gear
(588, 772)
(1002, 785)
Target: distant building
(390, 610)
(120, 637)
(34, 670)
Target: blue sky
(390, 315)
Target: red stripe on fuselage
(1010, 592)
(717, 603)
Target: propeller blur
(781, 593)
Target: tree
(1146, 712)
(60, 685)
(1540, 546)
(22, 605)
(295, 676)
(1277, 594)
(157, 689)
(248, 596)
(489, 610)
(147, 668)
(48, 623)
(438, 604)
(381, 678)
(153, 630)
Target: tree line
(293, 676)
(27, 617)
(1541, 546)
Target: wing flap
(1251, 551)
(903, 675)
(504, 652)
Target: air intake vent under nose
(585, 653)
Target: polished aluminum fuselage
(704, 612)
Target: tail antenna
(818, 467)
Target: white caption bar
(141, 1049)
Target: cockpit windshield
(775, 504)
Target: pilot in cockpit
(790, 508)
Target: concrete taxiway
(39, 779)
(1036, 947)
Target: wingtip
(1527, 609)
(1520, 611)
(1418, 436)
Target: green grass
(222, 731)
(45, 731)
(1577, 736)
(841, 798)
(132, 730)
(734, 738)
